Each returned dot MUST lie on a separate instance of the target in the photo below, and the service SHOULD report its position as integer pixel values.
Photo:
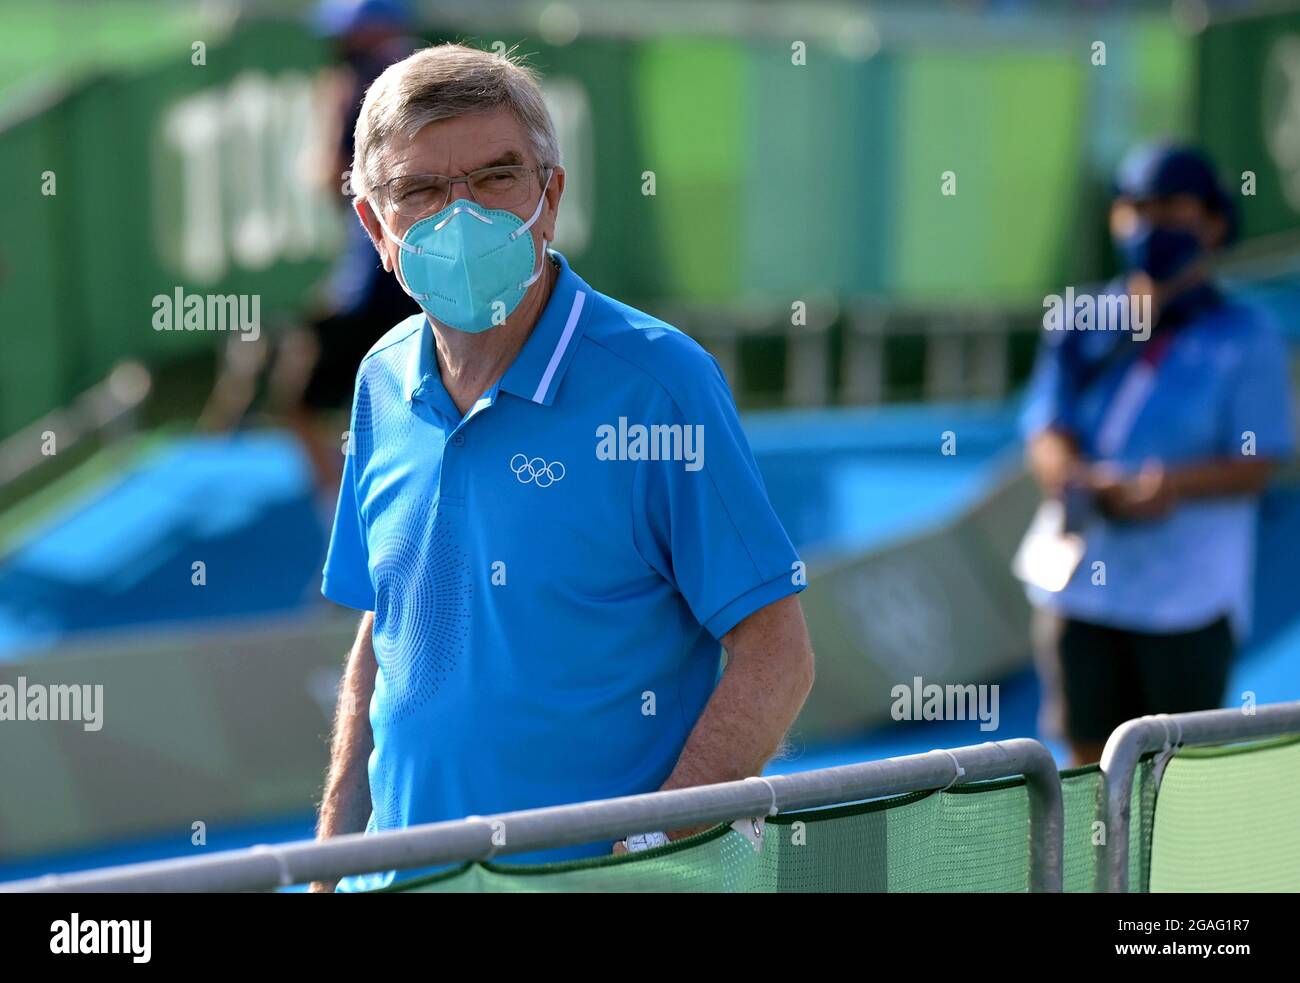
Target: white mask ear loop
(541, 264)
(401, 244)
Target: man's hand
(768, 675)
(1053, 459)
(620, 846)
(1149, 494)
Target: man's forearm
(345, 806)
(1223, 476)
(740, 730)
(767, 679)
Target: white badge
(1048, 555)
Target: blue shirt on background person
(1223, 377)
(548, 607)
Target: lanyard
(1132, 395)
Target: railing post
(863, 376)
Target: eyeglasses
(415, 195)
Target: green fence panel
(1079, 789)
(1228, 819)
(972, 838)
(812, 214)
(1247, 105)
(1006, 125)
(175, 176)
(777, 178)
(694, 113)
(1142, 824)
(1085, 834)
(202, 192)
(32, 272)
(45, 39)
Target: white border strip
(574, 313)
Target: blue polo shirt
(1223, 373)
(550, 573)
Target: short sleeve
(1259, 399)
(1048, 397)
(347, 563)
(705, 522)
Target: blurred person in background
(1151, 455)
(314, 366)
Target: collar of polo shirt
(537, 370)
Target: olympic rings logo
(536, 470)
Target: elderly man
(549, 513)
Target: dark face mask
(1158, 252)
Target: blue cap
(1169, 169)
(334, 18)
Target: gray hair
(444, 82)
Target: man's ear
(366, 215)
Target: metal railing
(485, 837)
(481, 838)
(109, 407)
(1168, 732)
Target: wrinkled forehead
(462, 144)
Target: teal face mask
(467, 266)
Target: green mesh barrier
(1142, 817)
(1228, 819)
(1079, 790)
(972, 838)
(1079, 797)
